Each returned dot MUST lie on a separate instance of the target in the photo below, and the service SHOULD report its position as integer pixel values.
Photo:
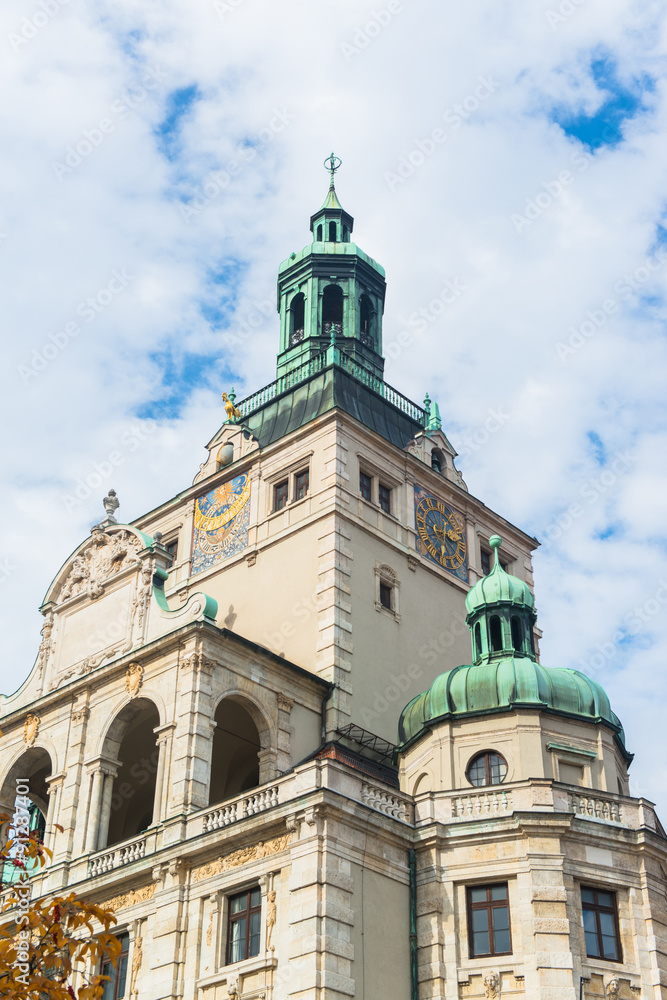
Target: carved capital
(285, 704)
(80, 715)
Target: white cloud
(451, 218)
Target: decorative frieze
(254, 852)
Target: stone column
(55, 783)
(108, 776)
(93, 825)
(163, 734)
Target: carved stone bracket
(30, 729)
(134, 678)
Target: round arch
(241, 734)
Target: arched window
(35, 768)
(133, 789)
(517, 634)
(236, 746)
(332, 232)
(487, 768)
(332, 309)
(436, 460)
(478, 640)
(496, 634)
(319, 234)
(366, 320)
(296, 321)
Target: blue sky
(542, 201)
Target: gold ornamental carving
(130, 898)
(30, 729)
(263, 849)
(134, 678)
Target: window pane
(499, 892)
(255, 897)
(476, 773)
(606, 899)
(365, 485)
(480, 920)
(501, 932)
(592, 949)
(588, 896)
(254, 935)
(239, 903)
(480, 943)
(478, 895)
(122, 976)
(610, 948)
(236, 951)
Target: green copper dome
(503, 685)
(498, 587)
(505, 674)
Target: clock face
(221, 523)
(440, 533)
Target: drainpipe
(414, 984)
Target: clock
(221, 523)
(440, 533)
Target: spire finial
(495, 541)
(332, 163)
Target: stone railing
(122, 854)
(384, 801)
(246, 805)
(486, 802)
(594, 806)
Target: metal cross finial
(332, 163)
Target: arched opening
(235, 757)
(332, 309)
(517, 634)
(366, 319)
(436, 460)
(346, 234)
(133, 790)
(297, 314)
(478, 641)
(319, 233)
(33, 769)
(496, 634)
(332, 232)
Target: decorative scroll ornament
(134, 677)
(30, 729)
(105, 557)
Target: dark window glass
(280, 495)
(601, 924)
(301, 485)
(346, 234)
(172, 551)
(114, 989)
(436, 461)
(385, 595)
(365, 485)
(332, 232)
(384, 498)
(245, 912)
(319, 234)
(487, 768)
(486, 562)
(496, 634)
(489, 921)
(297, 319)
(478, 640)
(517, 634)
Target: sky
(504, 161)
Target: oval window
(487, 768)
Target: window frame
(366, 475)
(172, 543)
(276, 487)
(111, 988)
(233, 918)
(489, 905)
(386, 589)
(486, 754)
(598, 908)
(297, 475)
(388, 491)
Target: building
(213, 712)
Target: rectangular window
(280, 495)
(384, 498)
(301, 481)
(486, 562)
(365, 486)
(601, 924)
(385, 595)
(172, 551)
(245, 911)
(114, 989)
(489, 921)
